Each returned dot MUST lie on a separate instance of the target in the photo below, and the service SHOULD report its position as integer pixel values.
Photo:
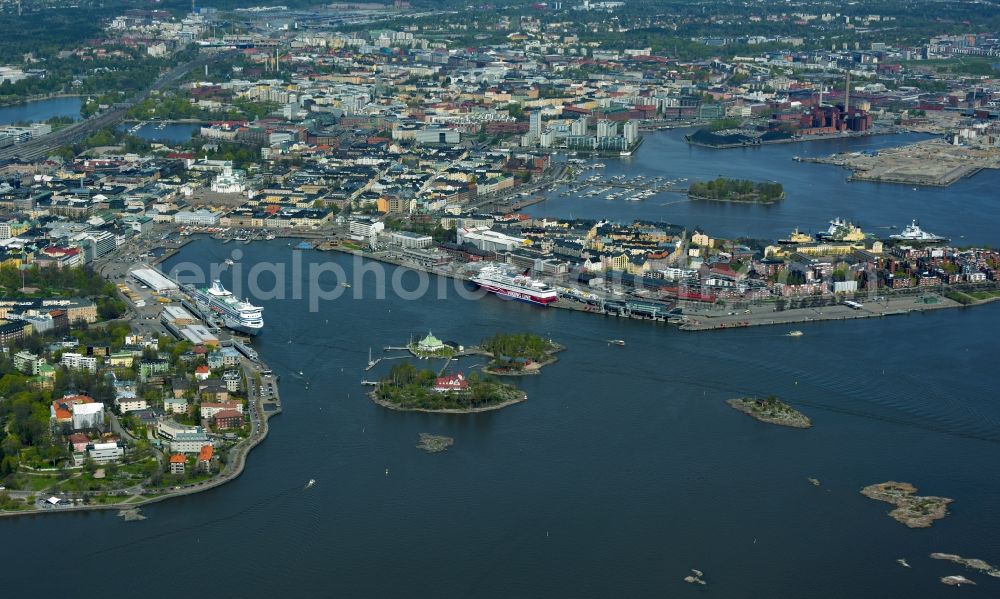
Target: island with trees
(737, 190)
(515, 354)
(408, 388)
(771, 410)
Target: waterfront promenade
(765, 315)
(700, 317)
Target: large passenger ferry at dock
(498, 279)
(236, 314)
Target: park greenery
(103, 138)
(241, 155)
(737, 190)
(176, 107)
(968, 298)
(422, 226)
(24, 415)
(102, 80)
(32, 281)
(723, 124)
(409, 388)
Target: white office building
(489, 240)
(630, 130)
(366, 228)
(607, 129)
(103, 453)
(535, 124)
(88, 415)
(183, 438)
(79, 362)
(408, 239)
(197, 218)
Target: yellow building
(617, 262)
(702, 240)
(124, 360)
(829, 249)
(638, 269)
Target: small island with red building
(407, 388)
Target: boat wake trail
(260, 505)
(912, 419)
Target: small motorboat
(616, 342)
(312, 481)
(795, 333)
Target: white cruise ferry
(497, 279)
(236, 314)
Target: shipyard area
(934, 162)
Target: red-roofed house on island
(452, 382)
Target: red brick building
(228, 419)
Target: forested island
(518, 353)
(737, 190)
(771, 410)
(410, 389)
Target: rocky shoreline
(739, 200)
(913, 510)
(373, 395)
(971, 563)
(434, 443)
(527, 371)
